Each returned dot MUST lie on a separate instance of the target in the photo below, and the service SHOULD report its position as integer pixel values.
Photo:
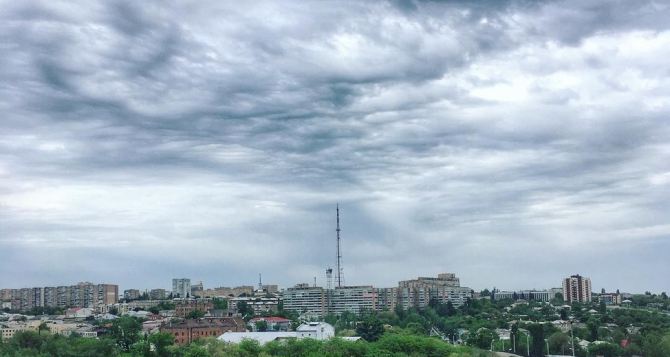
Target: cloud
(146, 141)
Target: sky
(513, 143)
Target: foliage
(125, 331)
(261, 325)
(165, 305)
(537, 340)
(370, 329)
(161, 342)
(195, 314)
(244, 309)
(220, 303)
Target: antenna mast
(260, 283)
(339, 254)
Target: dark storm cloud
(475, 137)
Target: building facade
(190, 330)
(83, 294)
(577, 288)
(259, 304)
(416, 293)
(354, 299)
(224, 291)
(157, 294)
(183, 307)
(131, 294)
(528, 295)
(181, 288)
(305, 299)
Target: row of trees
(161, 345)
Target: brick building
(187, 331)
(185, 306)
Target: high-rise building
(305, 299)
(181, 287)
(577, 288)
(80, 295)
(415, 293)
(108, 293)
(445, 288)
(352, 299)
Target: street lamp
(527, 339)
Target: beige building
(445, 288)
(577, 288)
(225, 291)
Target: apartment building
(181, 288)
(305, 299)
(83, 294)
(259, 304)
(351, 299)
(131, 294)
(416, 293)
(387, 298)
(225, 291)
(419, 292)
(528, 295)
(158, 294)
(577, 288)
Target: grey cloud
(474, 137)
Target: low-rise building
(183, 307)
(259, 304)
(224, 291)
(189, 330)
(274, 323)
(528, 295)
(313, 330)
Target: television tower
(339, 254)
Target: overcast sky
(512, 143)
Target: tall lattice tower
(340, 278)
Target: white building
(314, 330)
(181, 287)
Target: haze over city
(513, 143)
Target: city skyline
(512, 142)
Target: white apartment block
(181, 287)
